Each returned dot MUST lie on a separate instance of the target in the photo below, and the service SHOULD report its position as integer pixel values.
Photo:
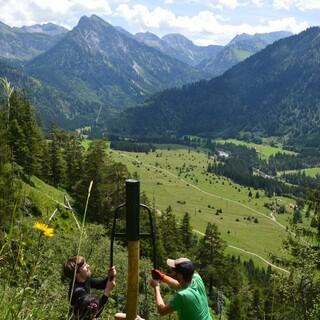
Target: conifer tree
(186, 233)
(297, 216)
(57, 163)
(210, 256)
(95, 169)
(236, 311)
(25, 137)
(170, 233)
(9, 185)
(314, 206)
(74, 162)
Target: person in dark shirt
(89, 307)
(79, 272)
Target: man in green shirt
(190, 301)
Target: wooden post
(133, 221)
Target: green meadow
(264, 150)
(312, 172)
(177, 177)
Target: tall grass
(30, 264)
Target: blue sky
(203, 21)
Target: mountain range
(22, 44)
(213, 59)
(88, 75)
(105, 69)
(275, 92)
(179, 47)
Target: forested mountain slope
(274, 92)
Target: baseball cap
(173, 263)
(183, 266)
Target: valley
(177, 177)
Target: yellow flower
(48, 232)
(40, 226)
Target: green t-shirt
(191, 302)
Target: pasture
(178, 177)
(264, 150)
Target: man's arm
(163, 308)
(158, 275)
(172, 283)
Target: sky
(204, 22)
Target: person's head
(183, 269)
(86, 308)
(78, 265)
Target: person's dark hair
(73, 263)
(186, 269)
(86, 308)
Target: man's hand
(154, 283)
(157, 274)
(112, 272)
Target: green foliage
(25, 137)
(108, 183)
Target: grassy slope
(312, 172)
(47, 198)
(265, 150)
(158, 173)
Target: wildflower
(48, 232)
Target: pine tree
(74, 162)
(170, 233)
(236, 311)
(25, 136)
(297, 216)
(95, 169)
(210, 256)
(9, 184)
(186, 233)
(57, 163)
(313, 201)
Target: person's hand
(109, 287)
(154, 283)
(112, 272)
(157, 274)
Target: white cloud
(219, 4)
(64, 12)
(203, 28)
(299, 4)
(231, 4)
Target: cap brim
(171, 263)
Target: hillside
(51, 105)
(274, 92)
